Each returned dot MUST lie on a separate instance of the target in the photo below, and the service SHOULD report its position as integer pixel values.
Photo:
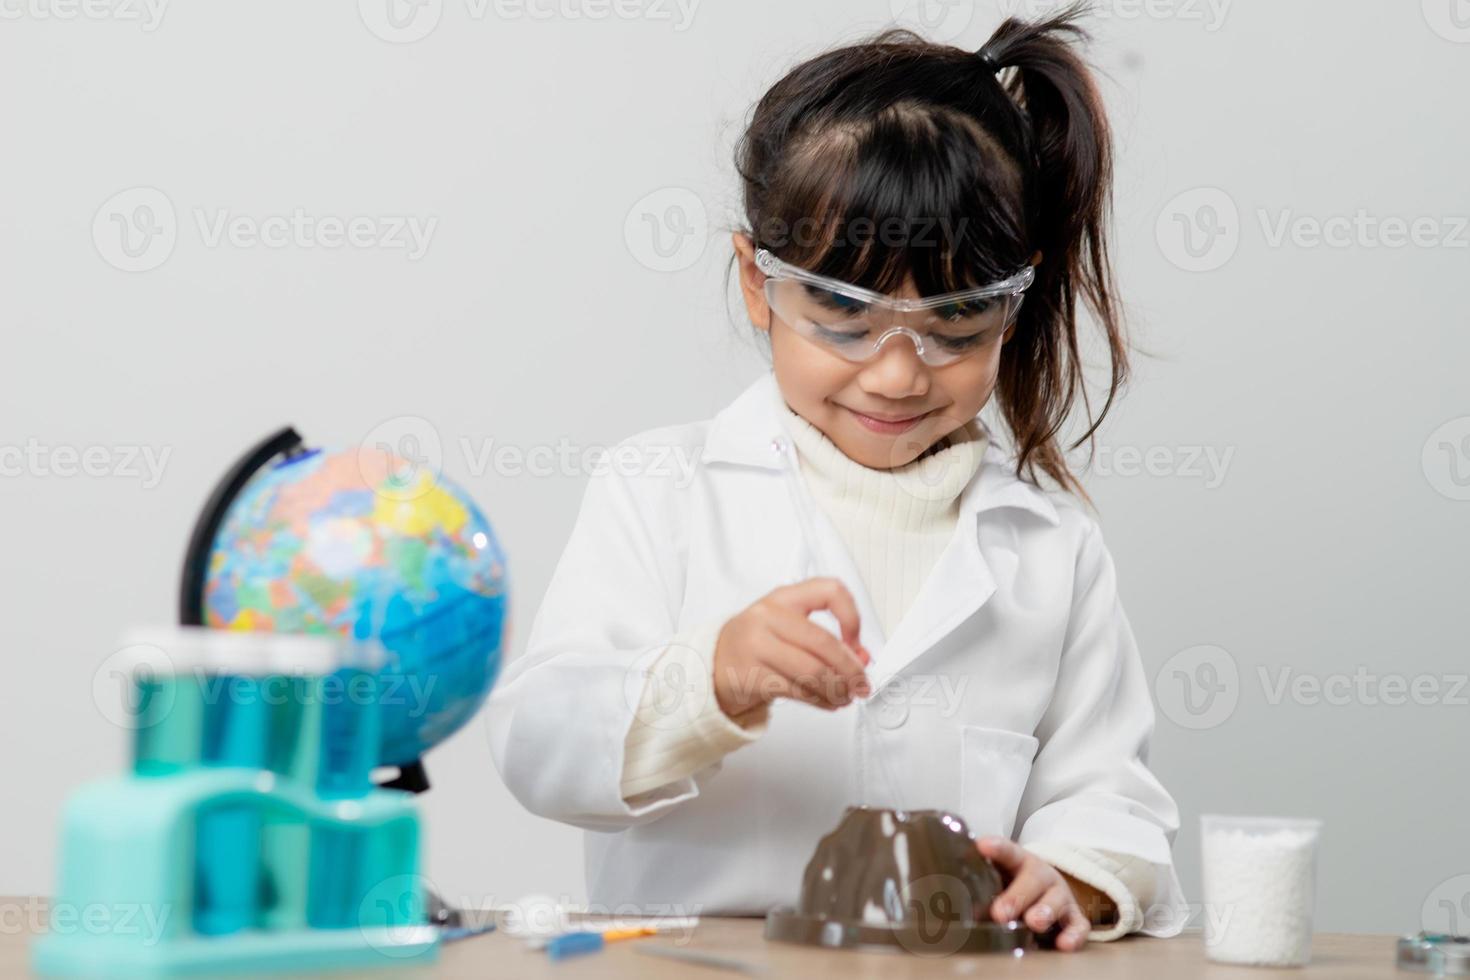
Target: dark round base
(788, 926)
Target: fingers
(1058, 907)
(1029, 878)
(830, 594)
(796, 673)
(1075, 929)
(837, 662)
(1022, 893)
(1006, 853)
(1036, 893)
(783, 652)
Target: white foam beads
(1259, 893)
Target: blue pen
(574, 944)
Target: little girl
(857, 596)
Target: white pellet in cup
(1259, 888)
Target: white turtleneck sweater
(895, 524)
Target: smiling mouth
(878, 423)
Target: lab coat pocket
(994, 766)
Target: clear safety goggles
(855, 323)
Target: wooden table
(495, 956)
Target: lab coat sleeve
(679, 727)
(1128, 881)
(1090, 784)
(560, 717)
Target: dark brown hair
(972, 162)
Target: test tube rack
(248, 837)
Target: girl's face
(866, 408)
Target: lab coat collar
(743, 432)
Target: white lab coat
(1011, 692)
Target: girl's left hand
(1038, 895)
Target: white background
(1332, 544)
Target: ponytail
(1068, 212)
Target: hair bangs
(912, 193)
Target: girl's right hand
(771, 650)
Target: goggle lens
(857, 329)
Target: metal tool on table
(453, 923)
(1441, 954)
(700, 958)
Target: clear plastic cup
(1259, 878)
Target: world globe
(365, 544)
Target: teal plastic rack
(248, 837)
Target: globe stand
(201, 539)
(411, 778)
